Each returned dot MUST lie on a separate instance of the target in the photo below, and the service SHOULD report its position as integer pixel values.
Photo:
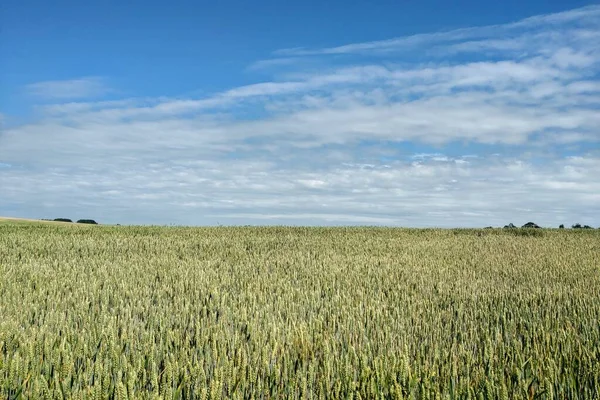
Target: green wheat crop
(309, 313)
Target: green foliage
(186, 313)
(87, 221)
(578, 226)
(531, 225)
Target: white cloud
(272, 63)
(88, 87)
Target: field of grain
(315, 313)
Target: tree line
(536, 226)
(79, 221)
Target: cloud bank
(88, 87)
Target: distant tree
(578, 226)
(489, 227)
(511, 225)
(561, 226)
(87, 221)
(62, 220)
(531, 225)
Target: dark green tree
(87, 221)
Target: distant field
(10, 220)
(25, 221)
(180, 313)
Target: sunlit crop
(335, 313)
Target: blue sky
(315, 113)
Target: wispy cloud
(88, 87)
(273, 63)
(584, 17)
(418, 137)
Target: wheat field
(298, 313)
